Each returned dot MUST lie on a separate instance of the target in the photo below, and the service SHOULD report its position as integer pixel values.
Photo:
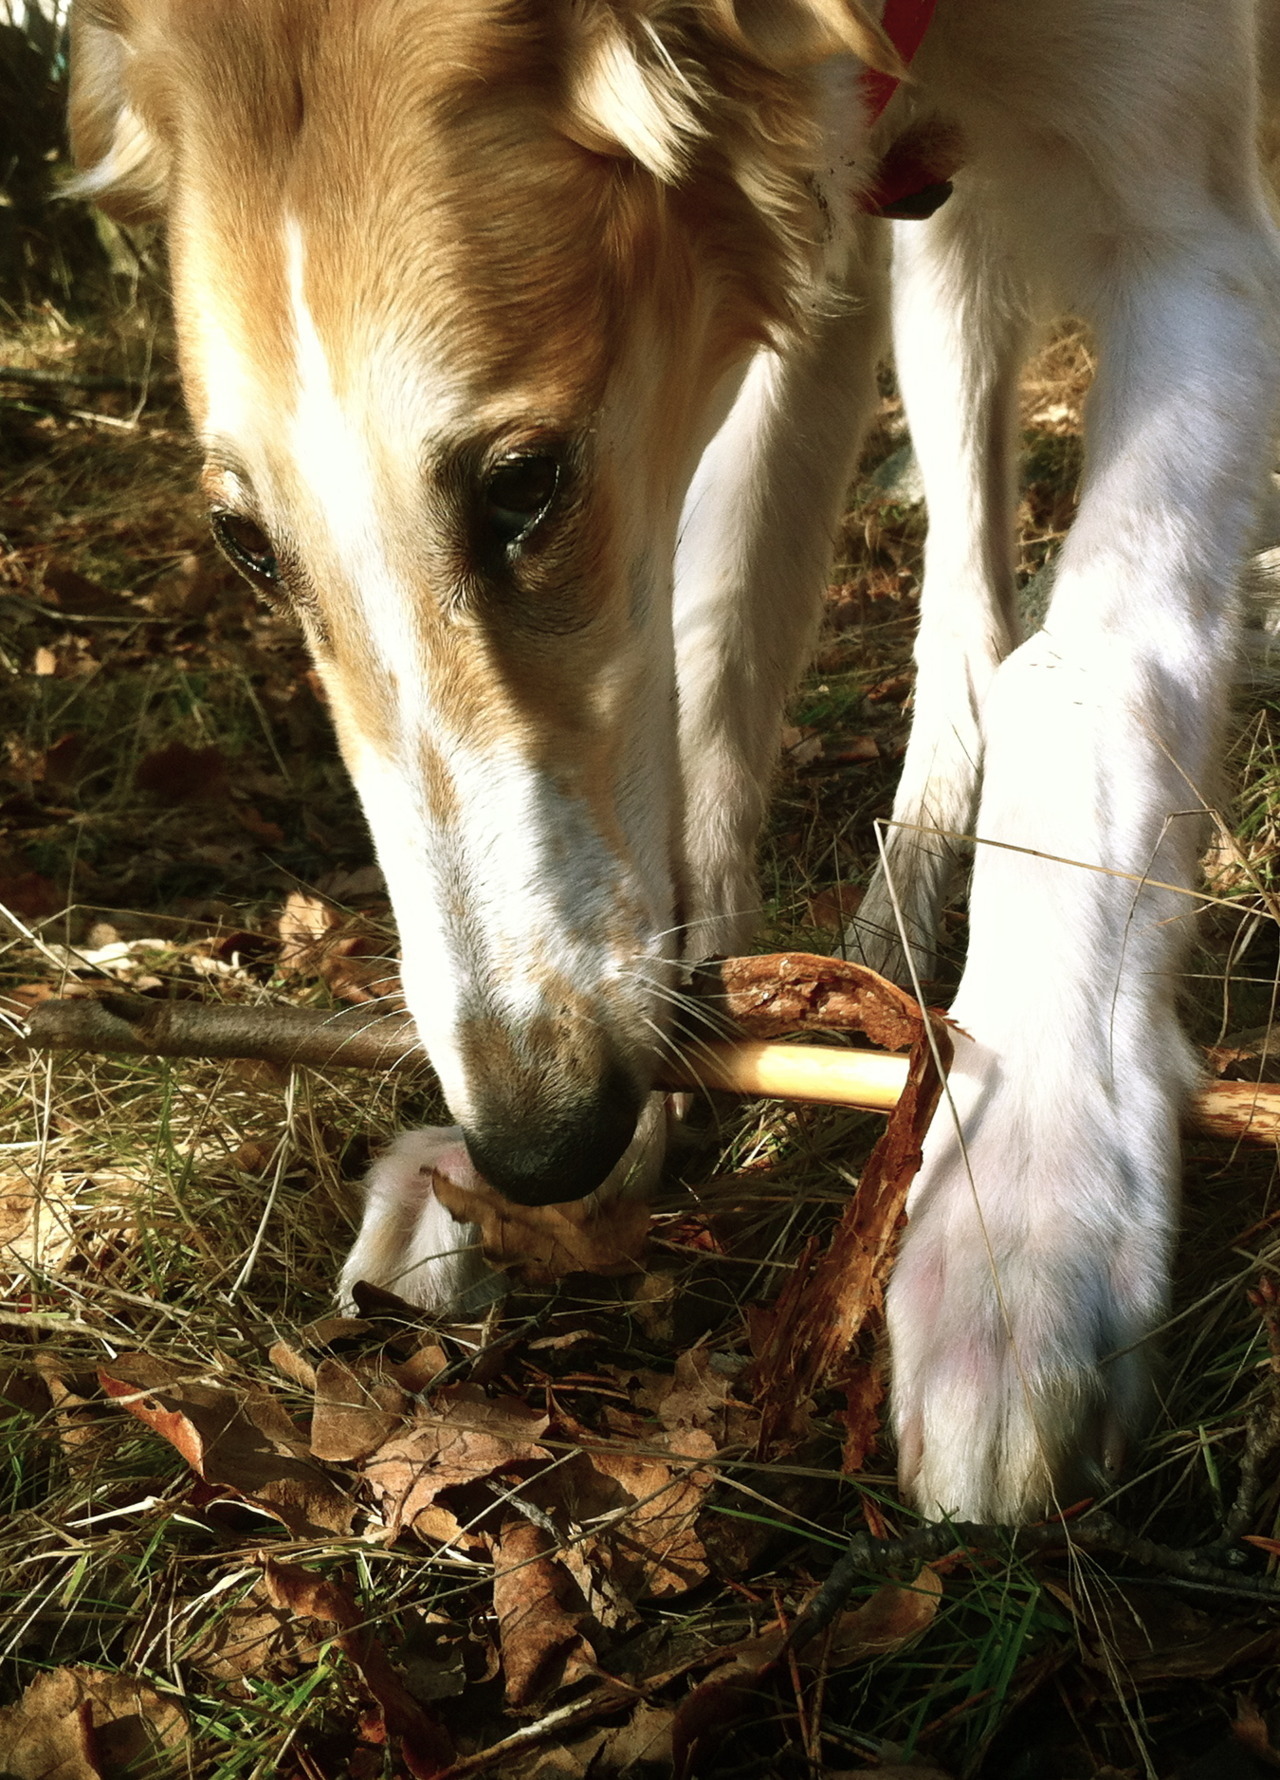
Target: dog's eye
(247, 545)
(517, 494)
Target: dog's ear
(123, 166)
(631, 93)
(787, 34)
(639, 80)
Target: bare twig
(1097, 1533)
(35, 379)
(1262, 1440)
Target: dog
(530, 347)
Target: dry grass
(198, 1213)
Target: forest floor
(378, 1546)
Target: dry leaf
(538, 1629)
(895, 1615)
(82, 1418)
(832, 909)
(1250, 1730)
(253, 1637)
(28, 892)
(69, 1216)
(458, 1438)
(70, 658)
(424, 1744)
(895, 688)
(86, 1724)
(642, 1742)
(70, 591)
(317, 940)
(544, 1242)
(37, 1224)
(1158, 1639)
(177, 774)
(890, 1619)
(241, 1440)
(1249, 1056)
(640, 1513)
(700, 1395)
(357, 1409)
(800, 747)
(850, 750)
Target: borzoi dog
(530, 343)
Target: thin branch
(369, 1038)
(35, 379)
(1097, 1533)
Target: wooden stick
(367, 1038)
(825, 1074)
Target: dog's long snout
(540, 1155)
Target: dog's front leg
(754, 553)
(1036, 1257)
(960, 319)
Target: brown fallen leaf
(800, 747)
(1252, 1055)
(37, 1223)
(457, 1438)
(849, 750)
(258, 825)
(542, 1243)
(831, 909)
(357, 1410)
(895, 688)
(240, 1440)
(178, 774)
(64, 761)
(639, 1513)
(425, 1746)
(539, 1624)
(1158, 1639)
(253, 1637)
(88, 1724)
(320, 941)
(700, 1395)
(28, 893)
(69, 658)
(70, 591)
(641, 1743)
(893, 1617)
(1251, 1732)
(82, 1419)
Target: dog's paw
(1032, 1269)
(408, 1242)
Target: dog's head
(459, 286)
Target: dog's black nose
(540, 1157)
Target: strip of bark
(811, 1337)
(784, 992)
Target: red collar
(905, 23)
(914, 177)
